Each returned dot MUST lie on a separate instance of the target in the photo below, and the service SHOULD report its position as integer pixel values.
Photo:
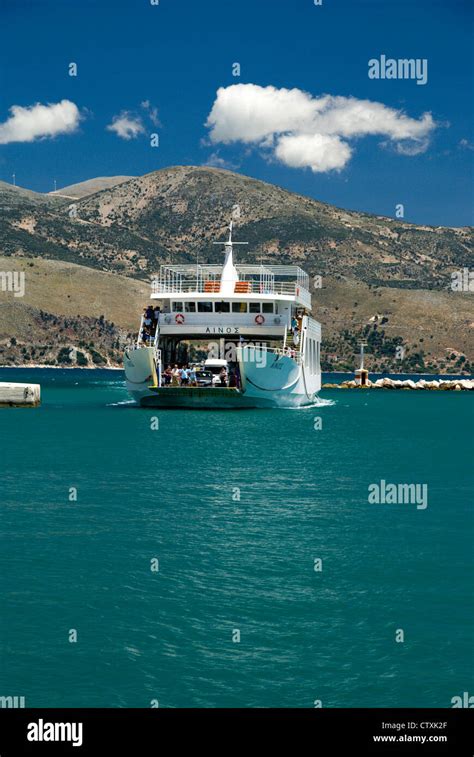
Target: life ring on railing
(259, 319)
(179, 318)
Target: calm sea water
(228, 564)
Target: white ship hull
(140, 372)
(273, 379)
(268, 379)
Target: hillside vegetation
(383, 279)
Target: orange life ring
(259, 319)
(179, 318)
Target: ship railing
(157, 359)
(152, 341)
(242, 286)
(289, 352)
(140, 332)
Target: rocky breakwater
(457, 385)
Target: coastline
(32, 366)
(35, 366)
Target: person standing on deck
(168, 375)
(184, 376)
(223, 377)
(192, 376)
(175, 376)
(156, 318)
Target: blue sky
(176, 55)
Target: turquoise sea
(235, 507)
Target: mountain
(13, 196)
(184, 209)
(91, 186)
(382, 279)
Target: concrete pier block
(19, 395)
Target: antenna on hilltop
(14, 179)
(55, 187)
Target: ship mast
(229, 275)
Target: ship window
(177, 307)
(239, 307)
(205, 307)
(222, 307)
(267, 307)
(190, 307)
(254, 307)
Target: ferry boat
(254, 319)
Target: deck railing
(244, 287)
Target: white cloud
(126, 125)
(152, 112)
(319, 152)
(306, 131)
(39, 121)
(411, 146)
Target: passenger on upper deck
(149, 313)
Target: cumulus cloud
(126, 125)
(305, 131)
(319, 152)
(26, 124)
